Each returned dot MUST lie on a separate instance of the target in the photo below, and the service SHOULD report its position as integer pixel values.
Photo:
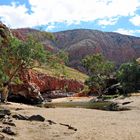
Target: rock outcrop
(49, 83)
(43, 84)
(4, 34)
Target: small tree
(99, 69)
(129, 76)
(18, 55)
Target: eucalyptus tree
(16, 56)
(99, 70)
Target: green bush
(129, 76)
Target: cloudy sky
(121, 16)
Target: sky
(122, 16)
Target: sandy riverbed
(91, 124)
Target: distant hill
(81, 42)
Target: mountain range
(82, 42)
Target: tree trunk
(14, 73)
(4, 93)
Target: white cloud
(127, 32)
(135, 20)
(68, 11)
(110, 21)
(15, 16)
(50, 27)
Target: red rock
(82, 94)
(45, 83)
(49, 83)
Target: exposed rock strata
(43, 83)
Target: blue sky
(122, 16)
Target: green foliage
(49, 36)
(30, 51)
(97, 64)
(99, 69)
(17, 55)
(62, 57)
(3, 76)
(58, 61)
(95, 81)
(1, 40)
(129, 76)
(86, 90)
(42, 35)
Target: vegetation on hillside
(42, 35)
(62, 71)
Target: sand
(90, 124)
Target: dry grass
(63, 71)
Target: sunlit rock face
(49, 83)
(42, 83)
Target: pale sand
(90, 124)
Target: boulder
(25, 93)
(4, 112)
(56, 94)
(114, 89)
(37, 118)
(8, 131)
(31, 118)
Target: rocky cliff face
(79, 43)
(49, 83)
(35, 83)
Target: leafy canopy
(129, 76)
(97, 64)
(99, 69)
(17, 55)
